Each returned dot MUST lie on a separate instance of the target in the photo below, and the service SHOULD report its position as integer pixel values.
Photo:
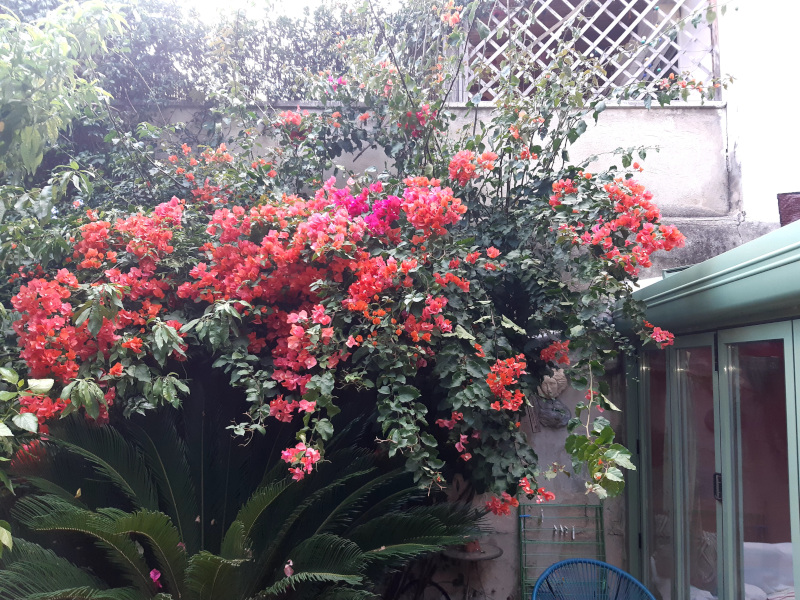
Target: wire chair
(587, 579)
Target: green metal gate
(549, 533)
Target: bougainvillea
(297, 298)
(438, 294)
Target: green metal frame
(680, 462)
(754, 283)
(531, 525)
(727, 454)
(731, 473)
(747, 294)
(637, 378)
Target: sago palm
(134, 511)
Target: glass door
(720, 466)
(695, 393)
(759, 471)
(682, 455)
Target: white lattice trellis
(638, 40)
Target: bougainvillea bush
(437, 293)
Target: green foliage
(381, 85)
(45, 66)
(326, 524)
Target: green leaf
(9, 375)
(463, 334)
(324, 428)
(26, 421)
(5, 431)
(406, 393)
(5, 536)
(4, 479)
(40, 386)
(509, 324)
(31, 146)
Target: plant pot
(789, 207)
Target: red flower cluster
(557, 352)
(451, 422)
(561, 188)
(630, 238)
(413, 122)
(541, 494)
(464, 167)
(430, 208)
(661, 336)
(51, 344)
(503, 504)
(302, 458)
(503, 374)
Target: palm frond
(53, 489)
(249, 515)
(418, 526)
(398, 554)
(350, 434)
(49, 513)
(29, 569)
(295, 581)
(236, 544)
(345, 593)
(294, 529)
(353, 505)
(454, 515)
(85, 593)
(328, 488)
(323, 558)
(112, 457)
(162, 537)
(396, 501)
(212, 577)
(166, 457)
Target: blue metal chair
(587, 579)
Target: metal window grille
(640, 40)
(549, 533)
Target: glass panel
(695, 386)
(660, 516)
(757, 381)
